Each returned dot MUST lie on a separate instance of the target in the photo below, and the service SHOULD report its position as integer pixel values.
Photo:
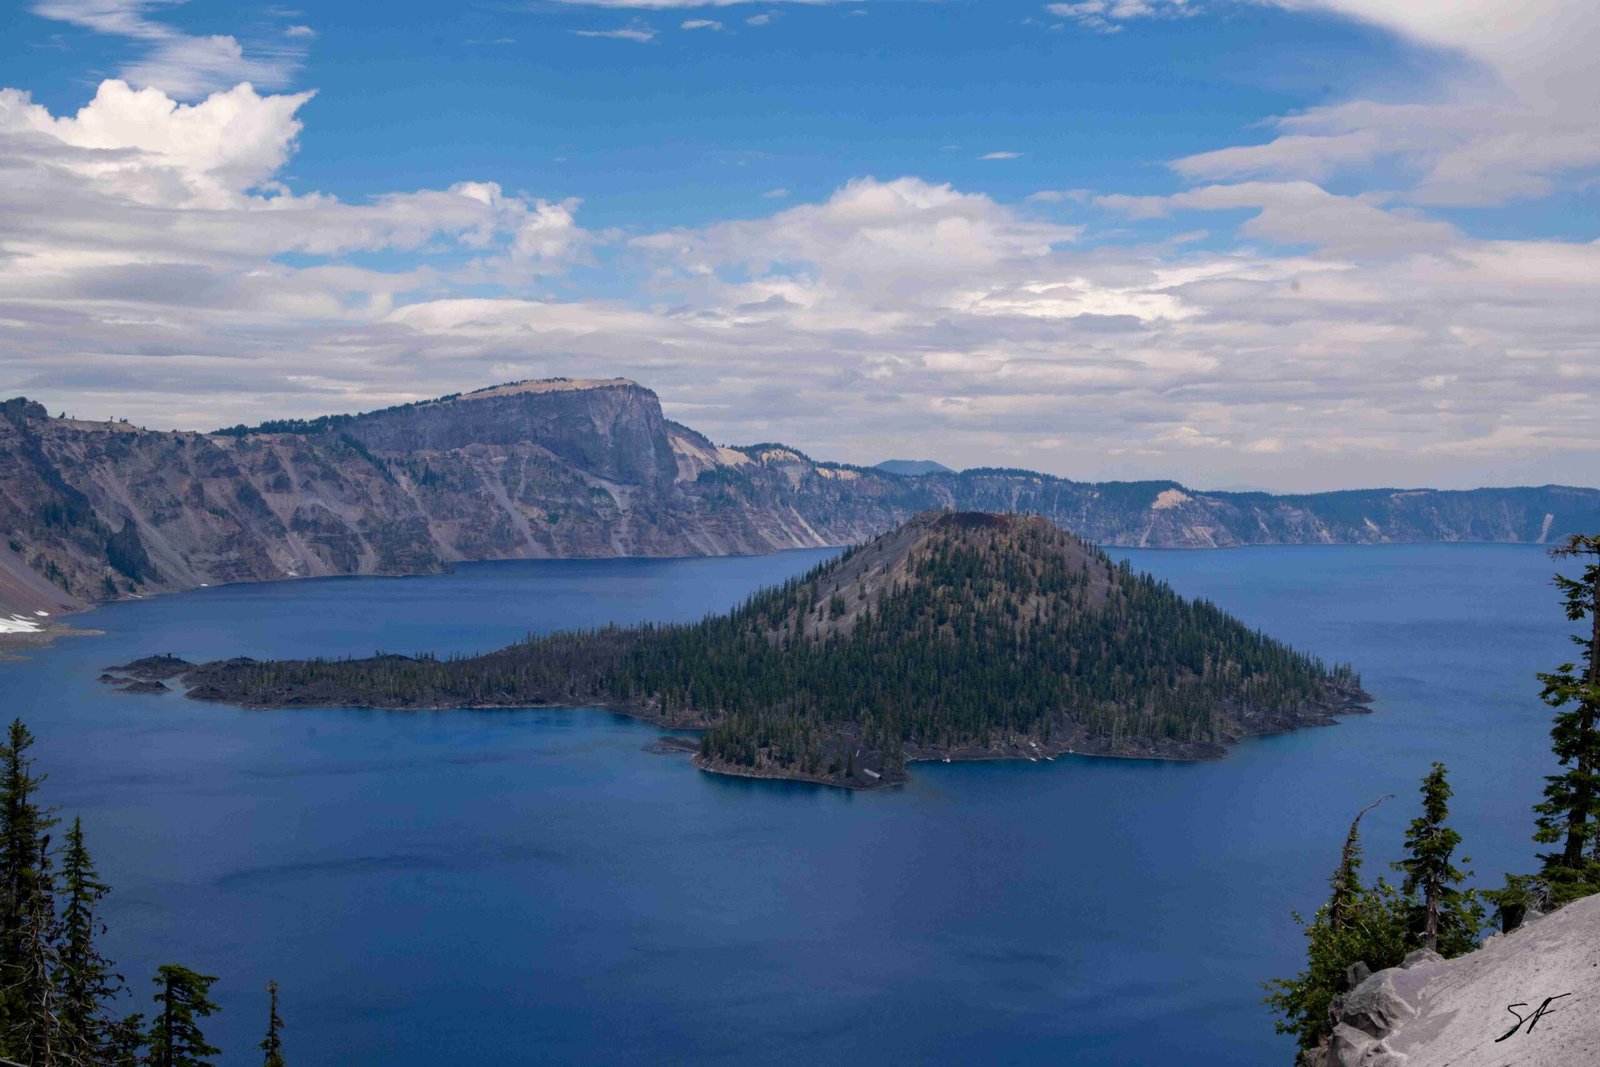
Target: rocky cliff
(1530, 997)
(94, 510)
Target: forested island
(958, 635)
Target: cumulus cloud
(157, 265)
(143, 240)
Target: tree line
(1379, 924)
(992, 631)
(61, 999)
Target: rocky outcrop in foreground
(1529, 998)
(93, 511)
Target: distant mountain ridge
(578, 468)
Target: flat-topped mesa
(956, 635)
(611, 429)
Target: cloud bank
(1270, 329)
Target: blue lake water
(534, 887)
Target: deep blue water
(533, 887)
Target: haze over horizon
(1300, 244)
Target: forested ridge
(957, 635)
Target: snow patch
(16, 624)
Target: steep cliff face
(92, 511)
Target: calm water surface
(533, 887)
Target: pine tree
(84, 980)
(272, 1045)
(175, 1039)
(1430, 845)
(124, 1040)
(1346, 880)
(23, 875)
(1357, 925)
(1570, 813)
(36, 1026)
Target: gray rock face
(1482, 1009)
(1375, 1007)
(561, 468)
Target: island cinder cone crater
(955, 636)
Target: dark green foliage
(1374, 930)
(24, 883)
(992, 628)
(272, 1044)
(1570, 813)
(175, 1038)
(56, 989)
(125, 1041)
(84, 980)
(35, 1022)
(1379, 924)
(1446, 919)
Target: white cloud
(1000, 155)
(1513, 127)
(636, 31)
(669, 5)
(1333, 336)
(181, 64)
(702, 24)
(1107, 16)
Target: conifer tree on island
(175, 1037)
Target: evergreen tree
(175, 1039)
(272, 1045)
(1447, 918)
(23, 876)
(84, 980)
(1356, 925)
(1570, 813)
(125, 1038)
(36, 1026)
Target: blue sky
(1292, 243)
